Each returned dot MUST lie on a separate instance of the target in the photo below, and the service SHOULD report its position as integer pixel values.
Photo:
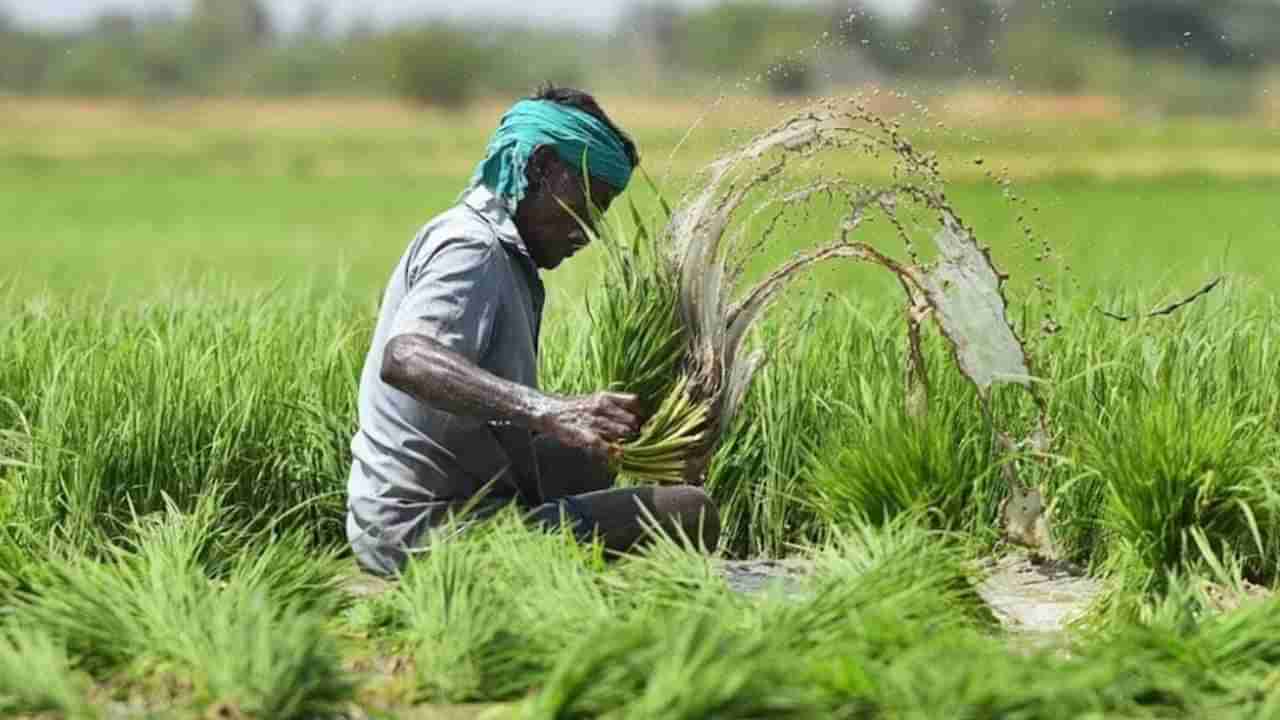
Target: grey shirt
(468, 282)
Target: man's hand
(591, 422)
(419, 366)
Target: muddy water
(755, 576)
(1036, 598)
(1035, 601)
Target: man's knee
(696, 512)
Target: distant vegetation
(1181, 55)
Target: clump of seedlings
(672, 317)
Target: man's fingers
(626, 401)
(612, 429)
(621, 417)
(588, 439)
(621, 408)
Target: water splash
(739, 205)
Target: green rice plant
(637, 340)
(125, 408)
(904, 653)
(886, 463)
(902, 566)
(638, 344)
(252, 636)
(670, 436)
(670, 576)
(1191, 654)
(758, 476)
(1153, 413)
(498, 611)
(698, 649)
(1218, 666)
(1171, 466)
(246, 650)
(675, 306)
(36, 677)
(670, 611)
(460, 624)
(694, 665)
(485, 610)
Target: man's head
(536, 161)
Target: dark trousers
(575, 488)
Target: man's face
(552, 233)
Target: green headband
(572, 132)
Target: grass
(36, 677)
(179, 348)
(170, 381)
(222, 626)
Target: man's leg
(578, 489)
(621, 517)
(565, 471)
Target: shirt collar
(497, 212)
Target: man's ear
(541, 165)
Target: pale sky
(597, 14)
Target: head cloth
(572, 132)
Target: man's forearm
(440, 377)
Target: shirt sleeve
(453, 296)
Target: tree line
(1201, 48)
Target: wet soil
(755, 576)
(1034, 598)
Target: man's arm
(444, 325)
(423, 368)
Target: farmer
(451, 417)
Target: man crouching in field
(449, 405)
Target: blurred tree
(961, 35)
(1198, 53)
(436, 65)
(24, 61)
(648, 31)
(940, 38)
(1254, 27)
(167, 64)
(1219, 33)
(790, 76)
(1190, 26)
(97, 68)
(223, 29)
(104, 60)
(1039, 57)
(747, 38)
(890, 44)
